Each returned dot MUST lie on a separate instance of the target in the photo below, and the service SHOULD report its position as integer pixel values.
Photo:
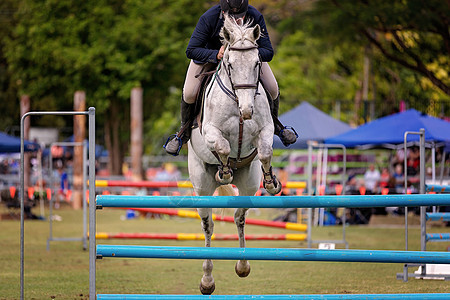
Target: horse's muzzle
(247, 113)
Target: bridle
(231, 93)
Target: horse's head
(241, 62)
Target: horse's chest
(231, 132)
(231, 129)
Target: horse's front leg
(270, 181)
(242, 267)
(218, 144)
(207, 285)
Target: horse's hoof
(207, 289)
(273, 188)
(242, 268)
(224, 179)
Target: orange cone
(30, 192)
(12, 191)
(321, 190)
(362, 190)
(338, 189)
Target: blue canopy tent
(11, 144)
(311, 124)
(388, 132)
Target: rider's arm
(196, 48)
(265, 46)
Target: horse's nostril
(247, 115)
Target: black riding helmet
(236, 8)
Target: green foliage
(308, 70)
(8, 94)
(104, 48)
(320, 57)
(412, 33)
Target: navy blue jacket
(205, 41)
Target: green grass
(62, 272)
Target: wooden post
(136, 132)
(24, 108)
(79, 132)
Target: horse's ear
(256, 32)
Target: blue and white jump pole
(380, 256)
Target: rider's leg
(173, 146)
(190, 90)
(269, 82)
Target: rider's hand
(220, 54)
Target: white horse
(237, 127)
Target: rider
(206, 50)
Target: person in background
(413, 161)
(4, 167)
(64, 187)
(385, 176)
(169, 172)
(372, 179)
(398, 176)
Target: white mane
(232, 32)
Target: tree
(104, 48)
(308, 70)
(411, 33)
(9, 103)
(321, 57)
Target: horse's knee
(222, 148)
(265, 154)
(265, 158)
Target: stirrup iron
(180, 142)
(280, 134)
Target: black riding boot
(287, 134)
(175, 141)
